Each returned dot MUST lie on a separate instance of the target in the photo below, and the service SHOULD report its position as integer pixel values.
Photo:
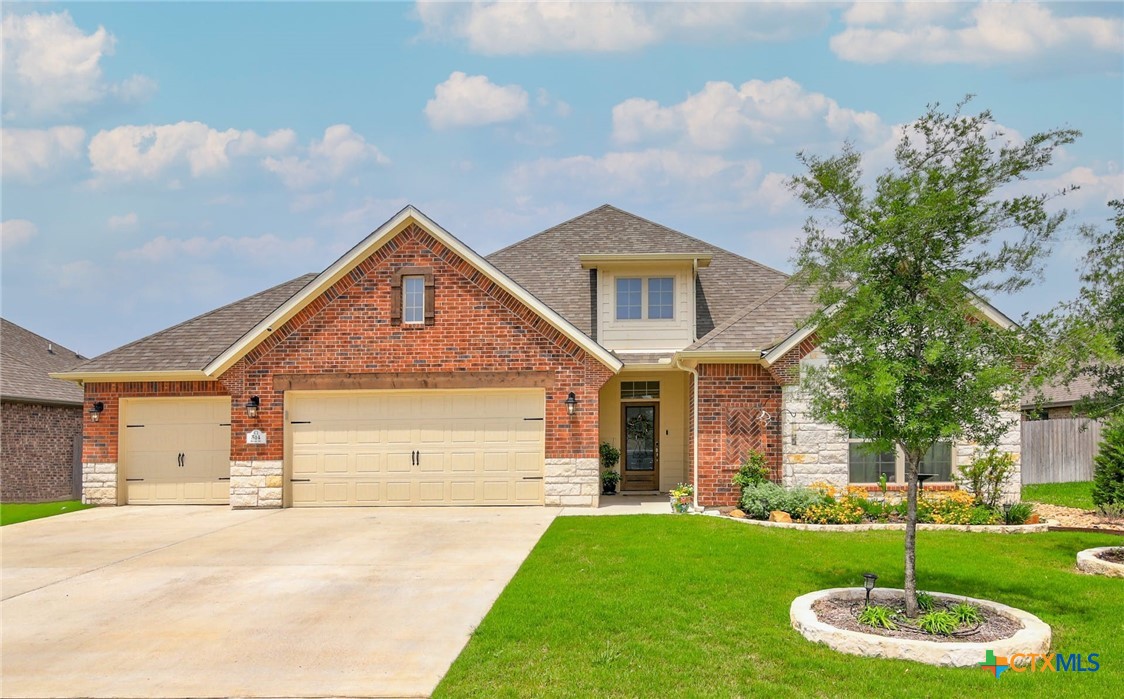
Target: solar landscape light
(868, 585)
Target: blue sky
(160, 160)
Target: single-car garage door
(176, 451)
(435, 447)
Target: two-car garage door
(433, 447)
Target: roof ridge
(49, 341)
(713, 334)
(547, 230)
(200, 316)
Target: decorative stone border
(1034, 637)
(895, 526)
(1087, 562)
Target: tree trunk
(911, 461)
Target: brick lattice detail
(37, 451)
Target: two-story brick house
(414, 371)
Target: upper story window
(657, 304)
(661, 298)
(412, 293)
(629, 299)
(413, 299)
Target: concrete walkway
(209, 602)
(624, 505)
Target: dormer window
(652, 298)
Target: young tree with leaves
(914, 357)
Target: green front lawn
(696, 606)
(1075, 494)
(21, 512)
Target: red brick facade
(37, 451)
(477, 326)
(730, 404)
(786, 370)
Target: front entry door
(640, 425)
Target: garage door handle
(225, 479)
(300, 480)
(532, 478)
(130, 480)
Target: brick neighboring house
(415, 371)
(40, 418)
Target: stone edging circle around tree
(1034, 637)
(896, 526)
(1087, 562)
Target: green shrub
(754, 471)
(925, 601)
(985, 515)
(878, 616)
(1017, 513)
(986, 476)
(758, 501)
(938, 622)
(797, 501)
(1108, 468)
(966, 614)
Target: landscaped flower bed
(822, 503)
(950, 631)
(1106, 560)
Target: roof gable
(352, 258)
(26, 362)
(549, 265)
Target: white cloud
(130, 152)
(340, 152)
(555, 27)
(123, 221)
(722, 115)
(635, 171)
(52, 68)
(32, 154)
(15, 232)
(473, 100)
(253, 249)
(987, 33)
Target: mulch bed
(1112, 555)
(1074, 519)
(841, 614)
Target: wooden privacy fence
(1058, 451)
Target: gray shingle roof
(763, 324)
(1058, 395)
(192, 344)
(25, 361)
(547, 265)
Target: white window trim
(406, 306)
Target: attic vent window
(411, 296)
(645, 390)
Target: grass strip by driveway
(11, 513)
(696, 606)
(1074, 494)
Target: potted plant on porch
(681, 496)
(610, 456)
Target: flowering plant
(683, 491)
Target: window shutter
(429, 298)
(396, 299)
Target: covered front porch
(645, 413)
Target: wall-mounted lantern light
(571, 403)
(96, 410)
(252, 406)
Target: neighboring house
(1056, 401)
(40, 418)
(415, 371)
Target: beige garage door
(176, 451)
(470, 447)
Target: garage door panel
(178, 451)
(473, 446)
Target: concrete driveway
(209, 602)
